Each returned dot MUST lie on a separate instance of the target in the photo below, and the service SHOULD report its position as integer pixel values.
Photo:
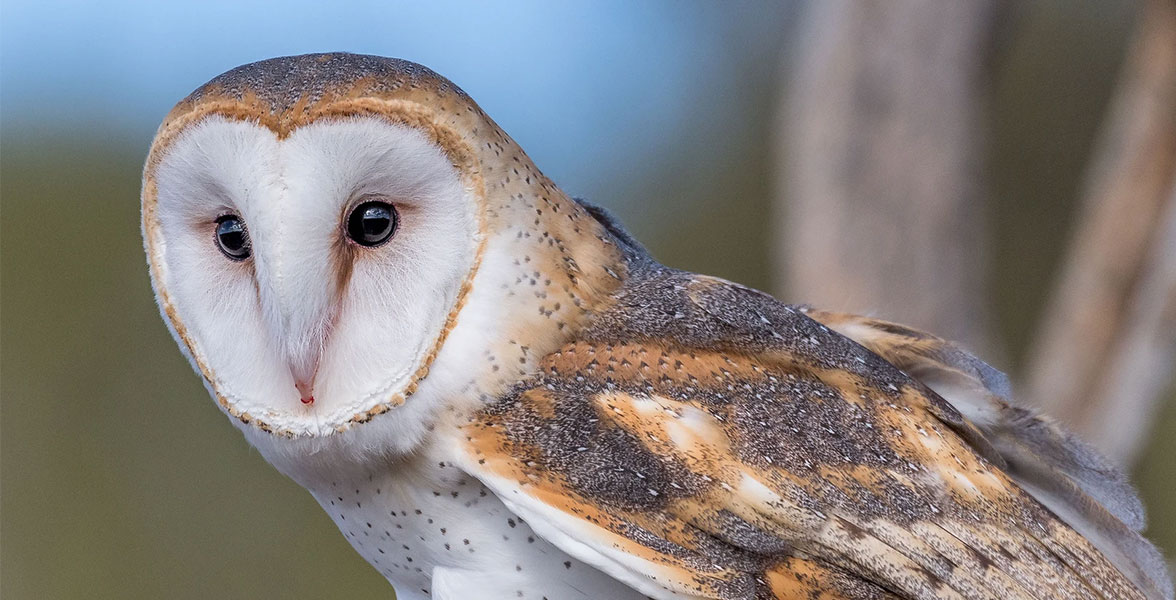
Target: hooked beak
(305, 390)
(304, 359)
(304, 370)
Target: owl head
(342, 242)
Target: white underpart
(257, 327)
(434, 531)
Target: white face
(305, 310)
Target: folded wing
(728, 446)
(1058, 469)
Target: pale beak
(305, 390)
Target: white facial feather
(288, 313)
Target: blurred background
(998, 172)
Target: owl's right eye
(232, 238)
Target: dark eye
(231, 237)
(372, 223)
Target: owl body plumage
(561, 416)
(434, 530)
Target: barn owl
(495, 392)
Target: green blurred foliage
(120, 477)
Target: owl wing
(1061, 471)
(703, 440)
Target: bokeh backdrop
(121, 479)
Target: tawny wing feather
(702, 440)
(1057, 468)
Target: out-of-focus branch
(1107, 348)
(880, 146)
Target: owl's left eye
(232, 238)
(372, 223)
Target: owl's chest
(441, 528)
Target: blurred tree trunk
(881, 202)
(1105, 355)
(881, 146)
